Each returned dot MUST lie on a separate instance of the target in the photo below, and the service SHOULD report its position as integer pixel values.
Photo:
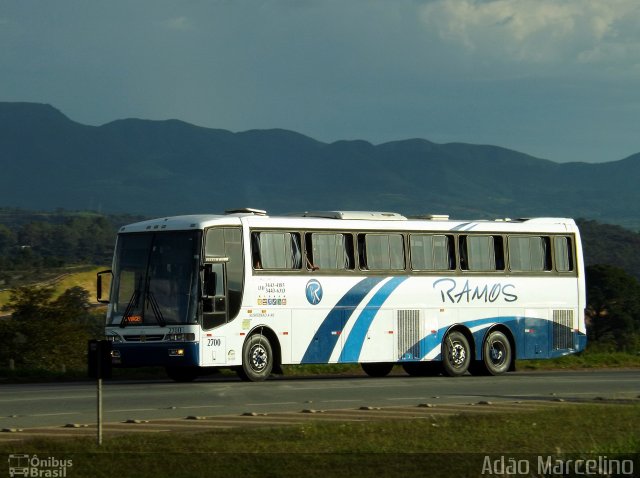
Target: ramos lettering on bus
(450, 291)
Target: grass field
(435, 446)
(63, 279)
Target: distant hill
(170, 167)
(610, 244)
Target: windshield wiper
(133, 302)
(156, 309)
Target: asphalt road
(39, 405)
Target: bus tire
(182, 374)
(377, 369)
(496, 353)
(257, 359)
(422, 369)
(456, 354)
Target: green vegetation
(435, 446)
(613, 308)
(48, 333)
(610, 244)
(29, 248)
(591, 358)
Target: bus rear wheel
(377, 369)
(496, 353)
(257, 359)
(456, 354)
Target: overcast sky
(555, 79)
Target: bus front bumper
(170, 354)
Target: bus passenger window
(276, 250)
(481, 253)
(563, 254)
(529, 254)
(329, 251)
(255, 251)
(381, 251)
(432, 252)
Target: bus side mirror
(100, 298)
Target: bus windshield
(155, 279)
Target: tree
(613, 307)
(7, 240)
(48, 333)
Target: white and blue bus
(252, 292)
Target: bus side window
(498, 244)
(529, 253)
(308, 250)
(381, 251)
(432, 252)
(362, 252)
(276, 250)
(462, 248)
(481, 253)
(349, 260)
(255, 251)
(331, 251)
(563, 253)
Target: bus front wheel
(456, 354)
(257, 359)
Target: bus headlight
(113, 337)
(183, 337)
(176, 352)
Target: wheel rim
(457, 354)
(259, 358)
(497, 353)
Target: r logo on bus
(314, 292)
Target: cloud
(541, 31)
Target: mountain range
(159, 168)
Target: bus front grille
(143, 338)
(562, 329)
(409, 335)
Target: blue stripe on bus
(355, 341)
(324, 341)
(532, 336)
(431, 341)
